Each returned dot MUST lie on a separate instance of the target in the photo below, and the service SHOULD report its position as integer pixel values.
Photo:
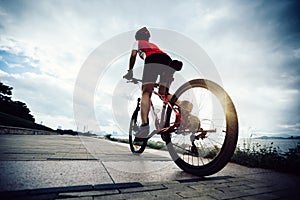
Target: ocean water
(281, 145)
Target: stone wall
(7, 130)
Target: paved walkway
(69, 167)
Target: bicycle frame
(160, 124)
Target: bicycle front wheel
(135, 122)
(207, 135)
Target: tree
(5, 92)
(15, 108)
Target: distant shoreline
(261, 137)
(279, 138)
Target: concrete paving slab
(68, 167)
(20, 175)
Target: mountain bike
(199, 126)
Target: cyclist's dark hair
(142, 34)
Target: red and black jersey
(148, 48)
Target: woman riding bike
(156, 63)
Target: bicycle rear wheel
(207, 136)
(135, 122)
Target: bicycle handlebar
(136, 81)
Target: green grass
(150, 144)
(157, 145)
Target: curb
(54, 191)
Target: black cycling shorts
(158, 64)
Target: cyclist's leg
(147, 89)
(150, 75)
(166, 78)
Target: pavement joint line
(107, 172)
(66, 159)
(29, 153)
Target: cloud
(293, 127)
(255, 50)
(254, 45)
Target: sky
(254, 46)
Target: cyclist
(157, 63)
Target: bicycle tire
(134, 125)
(231, 133)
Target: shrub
(267, 157)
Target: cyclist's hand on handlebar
(129, 75)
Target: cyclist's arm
(132, 59)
